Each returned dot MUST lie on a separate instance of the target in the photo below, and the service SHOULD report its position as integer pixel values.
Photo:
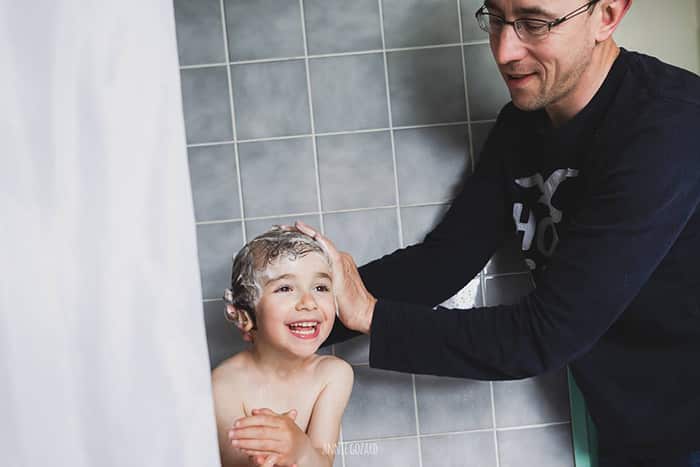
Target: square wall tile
(214, 182)
(223, 338)
(253, 228)
(271, 99)
(355, 351)
(349, 93)
(200, 37)
(382, 453)
(509, 258)
(452, 404)
(459, 450)
(487, 90)
(470, 27)
(216, 246)
(431, 163)
(381, 405)
(418, 221)
(470, 296)
(426, 86)
(411, 23)
(335, 26)
(278, 177)
(507, 290)
(532, 401)
(260, 29)
(549, 446)
(356, 170)
(205, 102)
(366, 235)
(480, 133)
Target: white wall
(667, 29)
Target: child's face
(296, 309)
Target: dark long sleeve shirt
(606, 210)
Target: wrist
(369, 314)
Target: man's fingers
(270, 461)
(257, 420)
(291, 414)
(324, 241)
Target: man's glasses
(527, 29)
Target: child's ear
(239, 317)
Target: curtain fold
(103, 358)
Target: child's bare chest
(300, 394)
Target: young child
(277, 402)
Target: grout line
(337, 133)
(233, 121)
(311, 116)
(391, 127)
(463, 432)
(338, 54)
(493, 420)
(466, 88)
(505, 274)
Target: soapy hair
(253, 259)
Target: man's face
(548, 70)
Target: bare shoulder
(334, 370)
(232, 371)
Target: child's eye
(323, 288)
(283, 288)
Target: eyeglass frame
(550, 24)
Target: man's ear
(612, 12)
(240, 317)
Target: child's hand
(274, 437)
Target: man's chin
(526, 103)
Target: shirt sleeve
(430, 272)
(634, 211)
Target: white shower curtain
(103, 359)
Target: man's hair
(254, 258)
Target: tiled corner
(418, 221)
(382, 453)
(337, 26)
(214, 182)
(459, 450)
(223, 339)
(480, 133)
(411, 23)
(263, 29)
(348, 93)
(271, 99)
(508, 259)
(426, 86)
(278, 177)
(431, 163)
(381, 405)
(200, 37)
(355, 351)
(206, 106)
(507, 290)
(549, 446)
(253, 228)
(487, 90)
(470, 27)
(216, 245)
(532, 401)
(452, 404)
(356, 171)
(366, 235)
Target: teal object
(583, 430)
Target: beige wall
(667, 29)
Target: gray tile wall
(360, 118)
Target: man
(596, 165)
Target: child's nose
(306, 302)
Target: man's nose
(306, 302)
(507, 46)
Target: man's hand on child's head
(274, 437)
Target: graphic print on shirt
(537, 217)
